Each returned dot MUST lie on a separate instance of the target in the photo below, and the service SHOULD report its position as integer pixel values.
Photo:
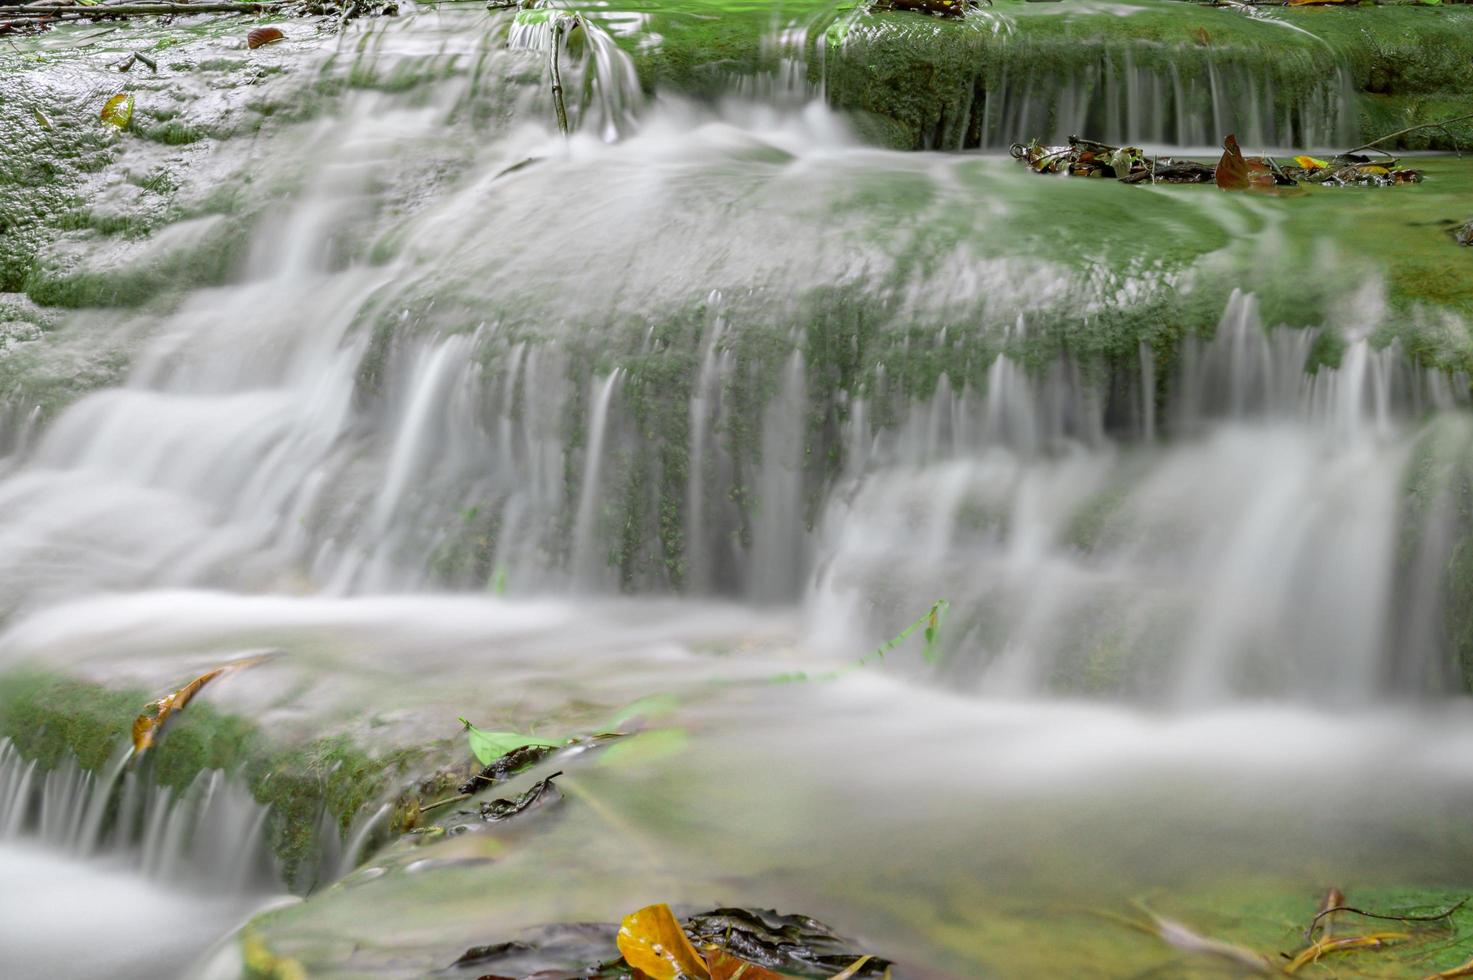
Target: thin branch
(1410, 129)
(557, 79)
(445, 802)
(1309, 933)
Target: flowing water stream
(496, 423)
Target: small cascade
(1256, 553)
(1006, 89)
(211, 836)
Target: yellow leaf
(147, 726)
(1311, 163)
(118, 111)
(1372, 169)
(653, 943)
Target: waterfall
(208, 837)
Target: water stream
(492, 422)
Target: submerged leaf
(41, 119)
(724, 966)
(652, 706)
(506, 766)
(490, 746)
(790, 944)
(541, 792)
(118, 111)
(653, 943)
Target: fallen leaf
(541, 792)
(118, 111)
(490, 746)
(1238, 173)
(1310, 163)
(262, 36)
(1316, 3)
(724, 966)
(653, 943)
(1324, 947)
(41, 119)
(1203, 38)
(1464, 235)
(506, 766)
(146, 727)
(782, 943)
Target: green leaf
(41, 119)
(646, 747)
(490, 746)
(118, 111)
(652, 706)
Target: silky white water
(493, 423)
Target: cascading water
(155, 874)
(486, 418)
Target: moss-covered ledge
(49, 717)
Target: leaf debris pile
(1233, 170)
(653, 943)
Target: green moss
(49, 717)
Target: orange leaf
(263, 36)
(724, 966)
(147, 726)
(653, 943)
(1236, 172)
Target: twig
(557, 79)
(1309, 933)
(1409, 129)
(445, 802)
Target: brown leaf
(146, 727)
(1236, 172)
(653, 943)
(724, 966)
(262, 36)
(1203, 38)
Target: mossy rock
(50, 717)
